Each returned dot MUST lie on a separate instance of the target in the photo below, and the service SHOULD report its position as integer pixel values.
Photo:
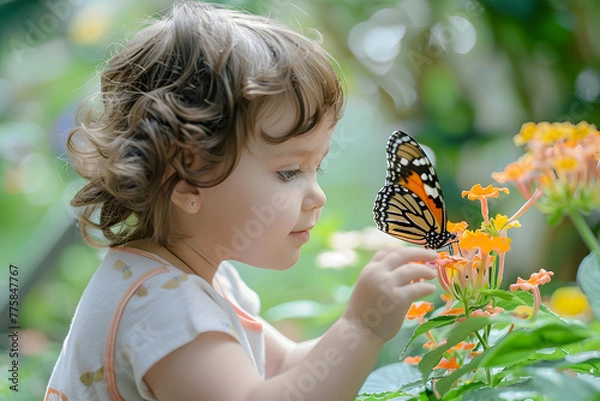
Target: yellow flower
(523, 311)
(566, 163)
(581, 130)
(551, 135)
(569, 302)
(478, 192)
(527, 132)
(501, 223)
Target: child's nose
(315, 198)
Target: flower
(477, 192)
(500, 224)
(458, 311)
(569, 302)
(456, 228)
(560, 160)
(450, 364)
(418, 310)
(412, 360)
(520, 172)
(535, 280)
(522, 311)
(487, 243)
(432, 344)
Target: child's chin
(279, 265)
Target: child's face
(262, 213)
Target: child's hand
(386, 288)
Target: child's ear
(186, 197)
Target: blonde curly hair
(194, 85)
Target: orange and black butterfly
(411, 206)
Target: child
(212, 129)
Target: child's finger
(414, 272)
(406, 255)
(415, 291)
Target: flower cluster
(479, 255)
(562, 160)
(475, 267)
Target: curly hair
(194, 85)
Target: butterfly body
(410, 206)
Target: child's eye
(288, 175)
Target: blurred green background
(460, 75)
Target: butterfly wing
(411, 205)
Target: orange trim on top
(111, 337)
(140, 252)
(247, 320)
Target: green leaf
(588, 278)
(585, 362)
(523, 345)
(510, 299)
(387, 395)
(458, 333)
(444, 384)
(542, 384)
(436, 322)
(391, 378)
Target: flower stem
(584, 231)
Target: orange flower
(463, 346)
(478, 192)
(521, 172)
(432, 343)
(412, 360)
(515, 171)
(487, 243)
(483, 194)
(536, 279)
(419, 310)
(532, 284)
(448, 364)
(456, 228)
(453, 312)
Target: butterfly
(410, 206)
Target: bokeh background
(461, 76)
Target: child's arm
(281, 352)
(215, 367)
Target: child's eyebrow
(305, 152)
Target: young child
(212, 127)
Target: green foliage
(518, 364)
(588, 278)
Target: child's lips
(303, 235)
